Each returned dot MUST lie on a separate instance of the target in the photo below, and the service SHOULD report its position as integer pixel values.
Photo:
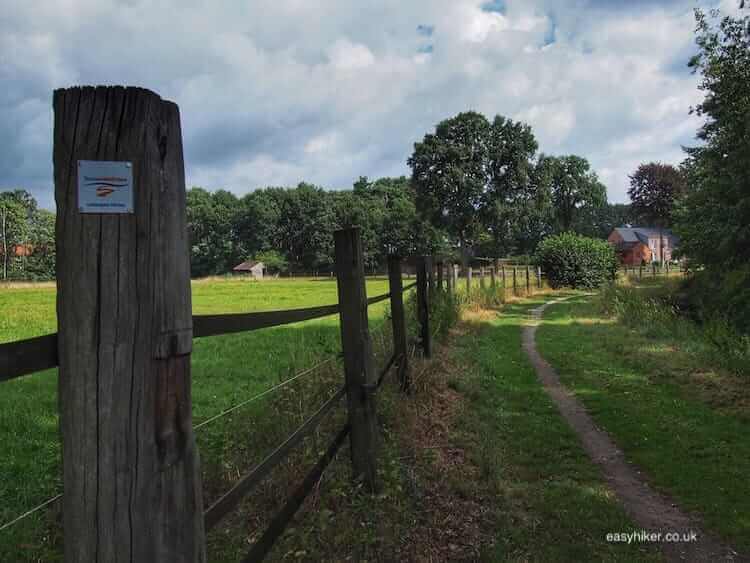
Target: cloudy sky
(273, 92)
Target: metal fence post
(358, 363)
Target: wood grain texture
(398, 320)
(357, 348)
(423, 310)
(130, 466)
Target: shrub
(570, 260)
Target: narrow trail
(651, 511)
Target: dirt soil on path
(651, 511)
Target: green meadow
(226, 370)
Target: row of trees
(293, 228)
(477, 188)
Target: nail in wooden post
(398, 320)
(423, 310)
(357, 348)
(130, 466)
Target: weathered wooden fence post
(468, 281)
(449, 277)
(539, 277)
(515, 284)
(493, 278)
(423, 310)
(528, 281)
(130, 466)
(398, 320)
(454, 273)
(481, 277)
(357, 348)
(430, 276)
(440, 275)
(502, 266)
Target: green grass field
(225, 369)
(677, 415)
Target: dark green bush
(570, 260)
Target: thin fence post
(528, 281)
(398, 320)
(640, 271)
(440, 275)
(449, 277)
(481, 277)
(468, 281)
(493, 278)
(357, 348)
(430, 277)
(130, 465)
(454, 273)
(539, 277)
(423, 310)
(502, 266)
(515, 284)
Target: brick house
(638, 245)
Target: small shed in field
(250, 268)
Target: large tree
(450, 176)
(714, 218)
(654, 191)
(576, 189)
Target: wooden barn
(250, 268)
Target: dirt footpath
(651, 511)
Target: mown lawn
(684, 422)
(226, 370)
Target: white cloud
(277, 91)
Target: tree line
(477, 188)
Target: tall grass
(653, 312)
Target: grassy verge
(682, 419)
(475, 465)
(547, 500)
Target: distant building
(19, 250)
(636, 245)
(250, 268)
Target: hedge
(570, 260)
